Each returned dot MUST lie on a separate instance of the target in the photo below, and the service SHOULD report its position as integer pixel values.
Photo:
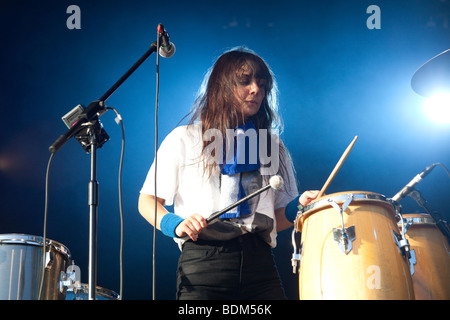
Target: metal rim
(342, 197)
(26, 239)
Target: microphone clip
(166, 48)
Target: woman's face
(249, 92)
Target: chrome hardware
(322, 203)
(404, 249)
(409, 221)
(344, 239)
(403, 243)
(412, 261)
(71, 279)
(407, 225)
(296, 256)
(343, 236)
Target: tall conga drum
(431, 277)
(351, 248)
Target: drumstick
(336, 168)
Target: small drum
(83, 293)
(21, 265)
(431, 278)
(350, 249)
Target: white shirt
(181, 182)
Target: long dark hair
(215, 107)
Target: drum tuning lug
(409, 254)
(295, 262)
(405, 250)
(296, 256)
(71, 279)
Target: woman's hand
(308, 196)
(191, 227)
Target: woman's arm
(282, 222)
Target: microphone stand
(95, 137)
(93, 213)
(97, 108)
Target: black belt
(237, 242)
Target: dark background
(337, 79)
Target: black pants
(241, 268)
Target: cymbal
(433, 76)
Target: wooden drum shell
(431, 278)
(373, 269)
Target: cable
(119, 119)
(44, 234)
(445, 168)
(441, 223)
(156, 170)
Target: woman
(220, 156)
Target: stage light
(437, 108)
(8, 162)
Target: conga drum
(431, 277)
(350, 249)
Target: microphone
(166, 48)
(275, 182)
(410, 186)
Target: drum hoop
(324, 202)
(19, 238)
(419, 220)
(106, 293)
(342, 197)
(100, 291)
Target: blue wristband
(169, 223)
(292, 209)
